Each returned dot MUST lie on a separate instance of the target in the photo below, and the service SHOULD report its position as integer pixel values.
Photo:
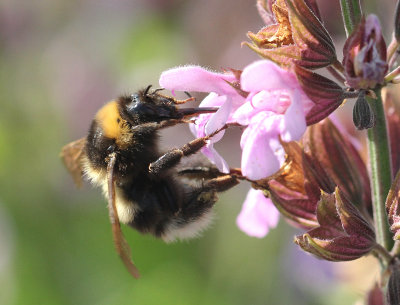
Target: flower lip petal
(198, 79)
(266, 75)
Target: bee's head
(114, 121)
(145, 106)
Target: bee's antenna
(158, 89)
(146, 91)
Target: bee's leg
(189, 99)
(172, 157)
(208, 172)
(195, 213)
(200, 172)
(174, 100)
(221, 183)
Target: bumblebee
(145, 187)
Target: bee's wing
(72, 154)
(121, 245)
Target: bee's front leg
(174, 156)
(221, 183)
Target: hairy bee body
(144, 186)
(161, 204)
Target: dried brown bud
(297, 35)
(326, 159)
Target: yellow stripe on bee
(110, 120)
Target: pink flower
(274, 110)
(223, 95)
(258, 214)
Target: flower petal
(294, 119)
(196, 78)
(266, 75)
(211, 100)
(276, 101)
(244, 114)
(219, 119)
(258, 214)
(216, 158)
(262, 153)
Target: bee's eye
(135, 97)
(138, 107)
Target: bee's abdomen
(170, 209)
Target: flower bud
(295, 191)
(326, 95)
(343, 234)
(364, 55)
(340, 160)
(325, 160)
(297, 36)
(363, 115)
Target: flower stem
(392, 53)
(381, 173)
(396, 248)
(393, 74)
(351, 12)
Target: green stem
(381, 173)
(351, 13)
(391, 51)
(392, 75)
(383, 253)
(396, 249)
